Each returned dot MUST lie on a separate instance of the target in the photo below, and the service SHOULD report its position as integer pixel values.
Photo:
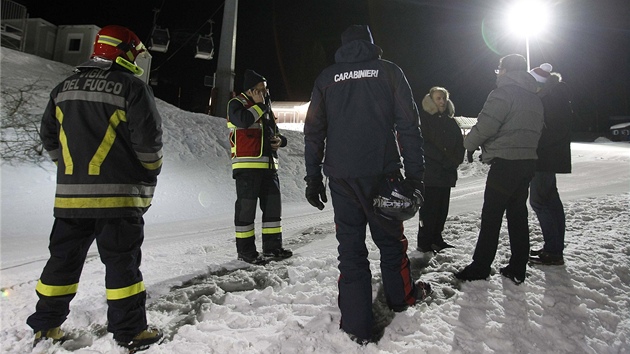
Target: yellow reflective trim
(237, 164)
(123, 293)
(63, 140)
(56, 290)
(258, 110)
(272, 230)
(114, 42)
(105, 202)
(94, 168)
(245, 234)
(152, 165)
(135, 69)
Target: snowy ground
(207, 302)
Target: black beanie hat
(356, 32)
(513, 62)
(251, 79)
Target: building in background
(68, 44)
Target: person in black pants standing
(443, 153)
(254, 143)
(508, 129)
(102, 129)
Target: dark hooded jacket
(361, 114)
(443, 144)
(554, 147)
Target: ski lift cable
(155, 18)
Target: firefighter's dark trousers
(119, 241)
(253, 185)
(352, 203)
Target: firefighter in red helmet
(102, 129)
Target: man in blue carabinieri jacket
(362, 118)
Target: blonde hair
(438, 89)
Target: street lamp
(527, 18)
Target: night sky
(450, 43)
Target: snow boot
(278, 253)
(143, 340)
(471, 273)
(437, 247)
(424, 291)
(546, 258)
(510, 274)
(255, 259)
(56, 334)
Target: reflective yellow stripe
(56, 290)
(122, 293)
(258, 110)
(114, 42)
(152, 165)
(105, 202)
(237, 164)
(245, 234)
(63, 140)
(94, 168)
(272, 230)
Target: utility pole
(227, 53)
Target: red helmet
(116, 41)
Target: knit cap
(541, 73)
(251, 79)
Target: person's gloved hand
(415, 188)
(469, 156)
(316, 191)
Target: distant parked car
(620, 132)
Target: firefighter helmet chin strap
(129, 66)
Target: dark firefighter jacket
(104, 132)
(361, 114)
(252, 125)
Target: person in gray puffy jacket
(508, 129)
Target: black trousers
(352, 202)
(253, 185)
(506, 192)
(119, 241)
(433, 216)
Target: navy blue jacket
(362, 113)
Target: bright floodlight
(528, 18)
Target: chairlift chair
(205, 47)
(160, 39)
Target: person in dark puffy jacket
(554, 156)
(362, 113)
(103, 130)
(508, 129)
(443, 153)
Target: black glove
(469, 156)
(415, 188)
(316, 191)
